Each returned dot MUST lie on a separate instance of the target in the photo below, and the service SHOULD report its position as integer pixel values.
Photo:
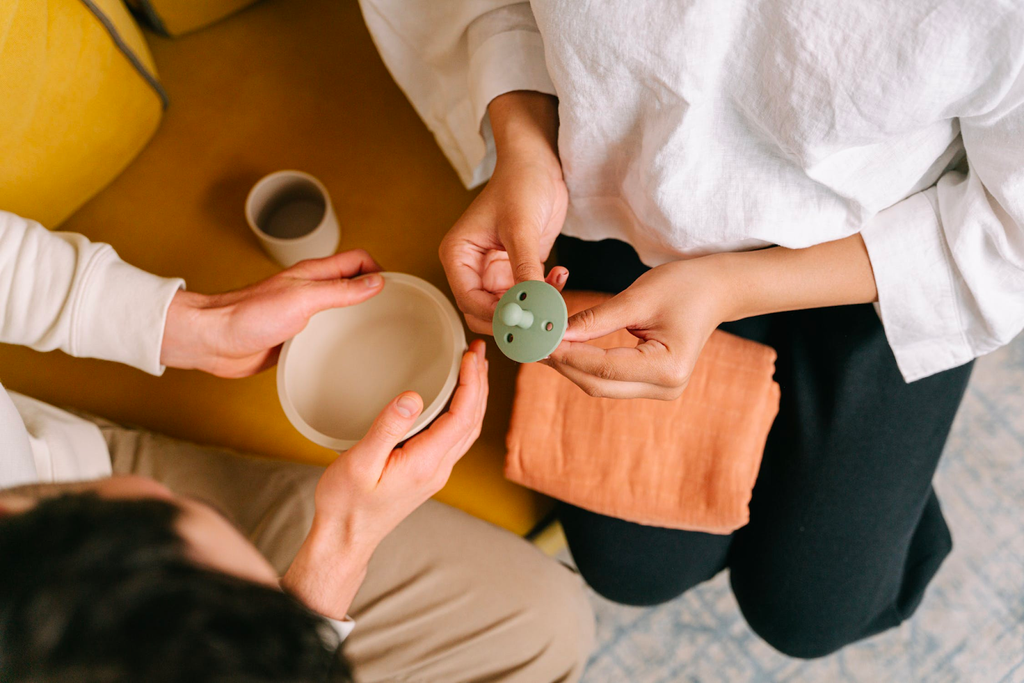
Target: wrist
(328, 569)
(185, 342)
(525, 126)
(730, 289)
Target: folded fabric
(687, 464)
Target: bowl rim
(430, 411)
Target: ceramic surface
(336, 376)
(292, 197)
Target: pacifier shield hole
(549, 326)
(522, 296)
(509, 337)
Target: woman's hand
(506, 234)
(240, 333)
(671, 310)
(364, 494)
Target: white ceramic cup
(291, 214)
(339, 373)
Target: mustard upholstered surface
(283, 84)
(74, 111)
(176, 17)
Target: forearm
(327, 571)
(779, 279)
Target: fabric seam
(76, 302)
(950, 280)
(127, 51)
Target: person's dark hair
(102, 591)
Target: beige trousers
(447, 597)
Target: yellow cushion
(74, 107)
(286, 84)
(176, 17)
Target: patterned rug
(969, 628)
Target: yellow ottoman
(78, 100)
(177, 17)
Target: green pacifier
(530, 321)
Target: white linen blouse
(696, 126)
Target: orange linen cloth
(687, 464)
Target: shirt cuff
(506, 62)
(120, 313)
(343, 628)
(916, 287)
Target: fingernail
(407, 406)
(373, 280)
(563, 277)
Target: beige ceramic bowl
(336, 375)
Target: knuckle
(464, 424)
(448, 245)
(675, 377)
(440, 478)
(604, 370)
(390, 428)
(676, 391)
(586, 319)
(523, 271)
(422, 477)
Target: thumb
(523, 246)
(605, 318)
(341, 292)
(388, 430)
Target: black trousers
(845, 530)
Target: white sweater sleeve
(58, 290)
(949, 261)
(451, 58)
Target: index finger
(343, 265)
(608, 316)
(523, 246)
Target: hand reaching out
(674, 308)
(364, 494)
(671, 310)
(240, 333)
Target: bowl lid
(335, 376)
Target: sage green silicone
(530, 321)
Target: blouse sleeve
(58, 290)
(451, 58)
(949, 261)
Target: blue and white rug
(969, 628)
